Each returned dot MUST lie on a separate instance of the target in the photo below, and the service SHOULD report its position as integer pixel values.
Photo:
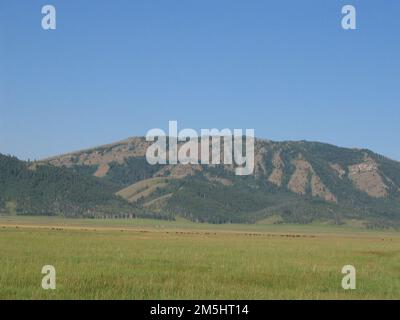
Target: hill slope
(293, 182)
(40, 189)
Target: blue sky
(115, 69)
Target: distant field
(153, 259)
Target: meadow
(153, 259)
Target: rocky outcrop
(365, 176)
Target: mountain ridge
(295, 181)
(121, 141)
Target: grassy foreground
(148, 259)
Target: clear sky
(115, 69)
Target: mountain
(295, 182)
(41, 189)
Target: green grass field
(152, 259)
